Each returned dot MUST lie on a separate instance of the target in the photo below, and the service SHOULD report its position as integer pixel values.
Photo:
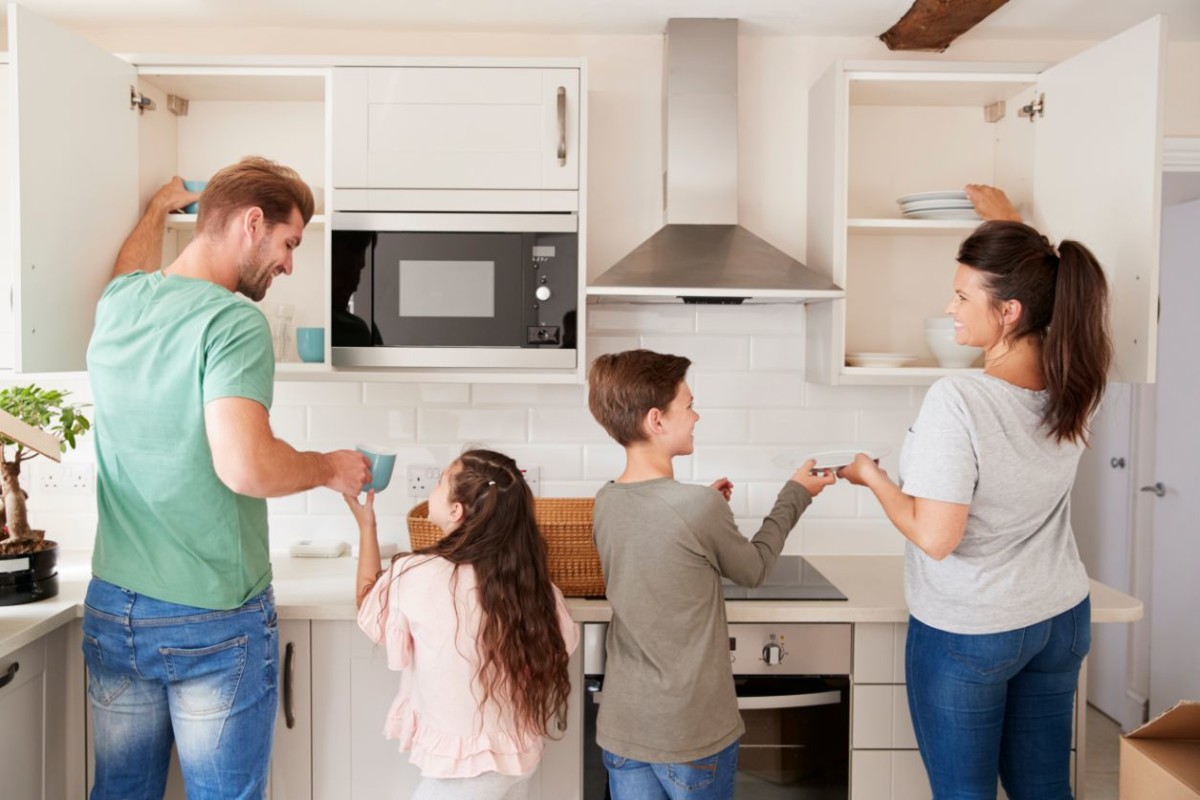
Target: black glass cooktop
(792, 578)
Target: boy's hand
(724, 486)
(364, 513)
(813, 479)
(860, 470)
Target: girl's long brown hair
(1064, 302)
(522, 652)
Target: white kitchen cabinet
(1086, 169)
(6, 296)
(402, 131)
(352, 690)
(292, 752)
(41, 718)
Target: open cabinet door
(1097, 176)
(75, 183)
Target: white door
(7, 251)
(1174, 623)
(1100, 517)
(75, 179)
(1097, 176)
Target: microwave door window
(448, 289)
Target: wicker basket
(566, 525)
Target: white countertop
(322, 588)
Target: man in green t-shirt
(180, 633)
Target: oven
(793, 689)
(455, 290)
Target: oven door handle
(789, 701)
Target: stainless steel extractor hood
(701, 254)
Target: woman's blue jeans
(997, 704)
(161, 673)
(708, 778)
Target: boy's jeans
(709, 778)
(160, 673)
(997, 703)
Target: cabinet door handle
(289, 674)
(562, 126)
(1158, 489)
(9, 674)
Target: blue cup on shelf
(382, 460)
(194, 186)
(310, 344)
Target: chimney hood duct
(702, 254)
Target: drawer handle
(289, 670)
(9, 674)
(562, 126)
(789, 701)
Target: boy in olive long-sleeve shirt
(670, 714)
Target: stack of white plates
(937, 205)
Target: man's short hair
(254, 182)
(623, 387)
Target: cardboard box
(1161, 759)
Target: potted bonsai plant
(33, 421)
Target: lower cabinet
(41, 704)
(352, 689)
(292, 752)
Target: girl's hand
(724, 486)
(813, 479)
(364, 513)
(860, 470)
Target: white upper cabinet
(473, 128)
(73, 164)
(1084, 167)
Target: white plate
(942, 213)
(827, 459)
(955, 194)
(925, 205)
(880, 359)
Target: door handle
(1158, 489)
(9, 674)
(562, 126)
(289, 672)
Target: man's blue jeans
(160, 673)
(709, 778)
(997, 704)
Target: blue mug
(310, 344)
(382, 461)
(194, 186)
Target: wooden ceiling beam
(934, 24)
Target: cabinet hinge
(1037, 108)
(177, 105)
(993, 112)
(140, 101)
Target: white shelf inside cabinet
(186, 222)
(898, 376)
(304, 368)
(911, 227)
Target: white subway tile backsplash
(482, 426)
(402, 424)
(851, 537)
(292, 504)
(747, 390)
(556, 462)
(347, 425)
(598, 345)
(603, 461)
(777, 352)
(517, 394)
(570, 488)
(886, 425)
(888, 398)
(739, 464)
(290, 423)
(723, 426)
(317, 393)
(557, 425)
(705, 352)
(641, 318)
(783, 318)
(838, 501)
(416, 394)
(802, 428)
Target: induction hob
(792, 578)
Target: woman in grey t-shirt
(1000, 619)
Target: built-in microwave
(455, 290)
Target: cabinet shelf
(898, 376)
(186, 222)
(883, 226)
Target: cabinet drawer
(879, 652)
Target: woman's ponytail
(1077, 349)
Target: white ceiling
(1019, 19)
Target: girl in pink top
(480, 635)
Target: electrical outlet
(533, 477)
(78, 477)
(50, 478)
(421, 478)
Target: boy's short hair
(623, 387)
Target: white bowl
(949, 353)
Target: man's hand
(349, 471)
(171, 196)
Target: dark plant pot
(28, 578)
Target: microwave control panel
(550, 289)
